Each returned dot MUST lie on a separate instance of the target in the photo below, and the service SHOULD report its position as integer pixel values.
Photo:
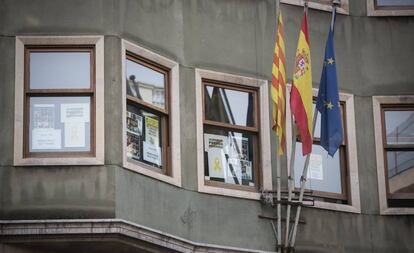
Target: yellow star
(330, 61)
(329, 105)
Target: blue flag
(328, 99)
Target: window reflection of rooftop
(150, 93)
(399, 131)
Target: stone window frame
(373, 10)
(343, 9)
(264, 132)
(377, 101)
(98, 43)
(352, 159)
(174, 129)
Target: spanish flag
(278, 89)
(301, 94)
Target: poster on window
(151, 131)
(77, 112)
(233, 175)
(217, 164)
(134, 123)
(74, 134)
(152, 153)
(315, 170)
(246, 169)
(133, 146)
(213, 141)
(44, 116)
(238, 147)
(46, 138)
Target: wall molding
(40, 229)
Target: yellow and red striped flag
(278, 89)
(301, 94)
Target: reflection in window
(228, 157)
(147, 116)
(324, 172)
(229, 106)
(390, 3)
(399, 127)
(145, 83)
(326, 175)
(399, 150)
(230, 136)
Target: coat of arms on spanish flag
(301, 94)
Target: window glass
(399, 127)
(395, 2)
(59, 124)
(399, 154)
(60, 70)
(145, 84)
(229, 106)
(144, 136)
(400, 166)
(324, 172)
(228, 156)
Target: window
(59, 88)
(332, 180)
(327, 176)
(325, 5)
(232, 135)
(151, 118)
(394, 136)
(390, 7)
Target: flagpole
(306, 166)
(290, 180)
(302, 185)
(278, 168)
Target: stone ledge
(38, 229)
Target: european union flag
(328, 99)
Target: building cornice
(39, 229)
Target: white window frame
(98, 42)
(174, 115)
(372, 11)
(265, 155)
(343, 9)
(352, 159)
(382, 189)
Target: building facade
(145, 126)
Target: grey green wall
(374, 57)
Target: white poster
(78, 112)
(134, 123)
(151, 131)
(44, 116)
(246, 168)
(216, 163)
(152, 153)
(315, 170)
(74, 134)
(239, 147)
(46, 138)
(216, 141)
(234, 171)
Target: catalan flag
(328, 98)
(301, 94)
(278, 89)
